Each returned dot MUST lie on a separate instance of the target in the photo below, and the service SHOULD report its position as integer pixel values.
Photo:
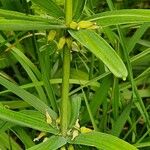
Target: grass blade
(28, 97)
(78, 6)
(121, 120)
(8, 142)
(137, 35)
(50, 7)
(46, 71)
(23, 136)
(32, 76)
(4, 125)
(99, 97)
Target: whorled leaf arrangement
(89, 39)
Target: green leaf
(143, 144)
(23, 136)
(78, 6)
(44, 60)
(57, 81)
(137, 36)
(4, 125)
(121, 120)
(7, 142)
(117, 17)
(28, 97)
(115, 99)
(75, 109)
(26, 120)
(102, 141)
(12, 5)
(6, 59)
(21, 16)
(32, 76)
(98, 98)
(135, 59)
(99, 47)
(20, 25)
(50, 7)
(16, 52)
(52, 143)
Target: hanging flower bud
(61, 43)
(51, 35)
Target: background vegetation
(72, 84)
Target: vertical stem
(66, 74)
(65, 91)
(68, 11)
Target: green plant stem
(68, 11)
(66, 74)
(65, 91)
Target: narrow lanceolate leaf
(21, 16)
(8, 143)
(22, 56)
(50, 7)
(26, 120)
(18, 25)
(99, 97)
(4, 125)
(75, 109)
(137, 35)
(121, 120)
(23, 136)
(52, 143)
(102, 141)
(117, 17)
(78, 6)
(100, 48)
(28, 97)
(6, 60)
